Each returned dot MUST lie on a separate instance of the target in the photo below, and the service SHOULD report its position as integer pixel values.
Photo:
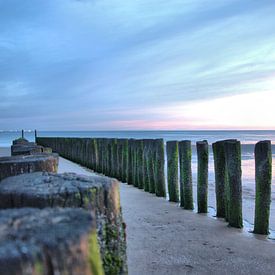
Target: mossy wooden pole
(135, 160)
(186, 187)
(114, 159)
(140, 164)
(152, 166)
(100, 155)
(146, 171)
(220, 178)
(125, 160)
(202, 182)
(263, 171)
(234, 175)
(130, 161)
(172, 170)
(159, 168)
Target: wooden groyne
(142, 164)
(138, 162)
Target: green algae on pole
(202, 182)
(159, 168)
(263, 171)
(146, 171)
(96, 194)
(232, 150)
(130, 161)
(140, 164)
(125, 160)
(172, 170)
(186, 188)
(220, 178)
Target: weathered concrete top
(48, 241)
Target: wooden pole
(202, 182)
(159, 168)
(172, 170)
(186, 187)
(234, 175)
(263, 170)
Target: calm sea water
(246, 137)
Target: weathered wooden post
(124, 160)
(99, 195)
(140, 164)
(172, 170)
(186, 188)
(146, 171)
(22, 133)
(95, 154)
(220, 178)
(263, 171)
(234, 175)
(135, 159)
(202, 182)
(130, 161)
(113, 158)
(49, 241)
(35, 135)
(159, 168)
(152, 166)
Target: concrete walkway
(164, 239)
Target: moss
(94, 255)
(263, 161)
(38, 268)
(202, 182)
(159, 168)
(172, 169)
(112, 261)
(234, 186)
(220, 178)
(186, 188)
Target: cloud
(72, 64)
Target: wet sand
(164, 239)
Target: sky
(137, 64)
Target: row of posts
(137, 162)
(141, 163)
(228, 179)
